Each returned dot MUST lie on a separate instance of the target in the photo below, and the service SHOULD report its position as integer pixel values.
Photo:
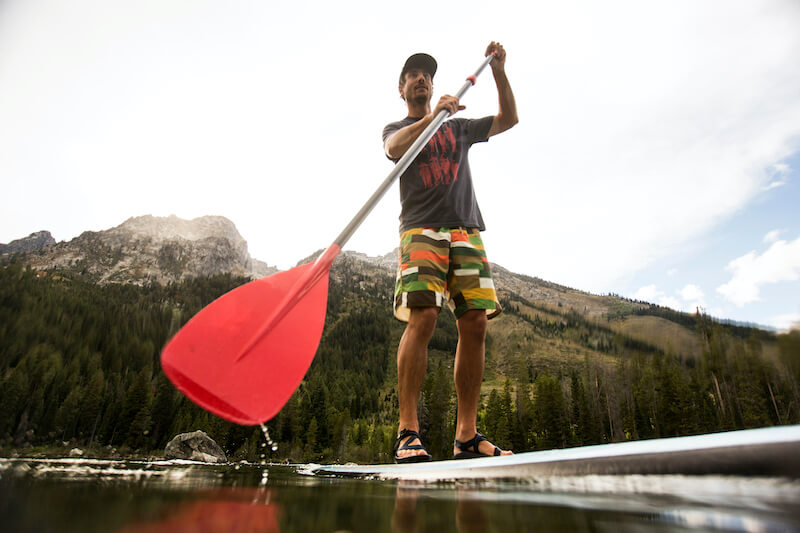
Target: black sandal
(411, 435)
(472, 443)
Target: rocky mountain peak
(34, 241)
(148, 249)
(161, 229)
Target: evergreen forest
(79, 367)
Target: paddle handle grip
(404, 162)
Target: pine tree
(437, 424)
(524, 417)
(12, 401)
(582, 412)
(550, 409)
(163, 410)
(135, 418)
(312, 447)
(69, 413)
(673, 400)
(91, 406)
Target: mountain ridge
(148, 249)
(34, 241)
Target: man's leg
(468, 375)
(412, 361)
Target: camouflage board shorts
(443, 264)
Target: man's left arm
(506, 116)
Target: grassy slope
(669, 336)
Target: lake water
(71, 495)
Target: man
(441, 253)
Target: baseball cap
(420, 61)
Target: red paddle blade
(203, 358)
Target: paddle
(242, 356)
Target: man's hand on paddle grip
(448, 102)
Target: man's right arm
(400, 141)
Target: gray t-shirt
(436, 190)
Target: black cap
(420, 61)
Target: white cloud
(781, 262)
(688, 299)
(667, 124)
(693, 298)
(775, 184)
(772, 236)
(782, 169)
(691, 293)
(780, 176)
(785, 322)
(671, 302)
(648, 293)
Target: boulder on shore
(195, 446)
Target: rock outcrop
(195, 446)
(32, 242)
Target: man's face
(417, 86)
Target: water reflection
(763, 505)
(470, 515)
(134, 497)
(220, 511)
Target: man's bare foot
(484, 447)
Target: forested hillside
(79, 366)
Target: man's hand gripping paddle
(243, 355)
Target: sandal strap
(411, 434)
(471, 443)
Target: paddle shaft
(323, 263)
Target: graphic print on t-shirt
(438, 162)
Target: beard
(420, 99)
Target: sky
(657, 155)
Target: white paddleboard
(767, 452)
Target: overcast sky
(657, 154)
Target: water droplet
(273, 445)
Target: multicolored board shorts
(443, 264)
